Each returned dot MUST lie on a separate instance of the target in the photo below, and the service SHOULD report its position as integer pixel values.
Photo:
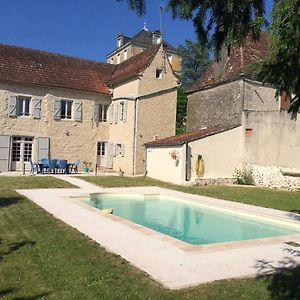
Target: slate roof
(232, 67)
(190, 136)
(36, 67)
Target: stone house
(128, 47)
(64, 107)
(232, 120)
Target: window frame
(158, 73)
(65, 103)
(103, 113)
(23, 100)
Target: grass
(282, 200)
(41, 257)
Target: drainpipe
(186, 161)
(134, 140)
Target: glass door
(21, 152)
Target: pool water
(187, 221)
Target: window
(125, 54)
(122, 111)
(101, 148)
(22, 149)
(103, 113)
(23, 105)
(66, 107)
(118, 58)
(158, 73)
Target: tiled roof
(231, 67)
(134, 65)
(30, 66)
(189, 136)
(24, 65)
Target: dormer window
(158, 73)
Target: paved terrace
(171, 262)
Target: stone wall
(216, 106)
(79, 143)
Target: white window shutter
(116, 111)
(12, 106)
(36, 110)
(122, 151)
(56, 109)
(4, 152)
(125, 111)
(77, 110)
(111, 113)
(43, 147)
(109, 155)
(96, 112)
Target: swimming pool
(192, 223)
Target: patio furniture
(52, 165)
(62, 166)
(33, 167)
(74, 166)
(43, 165)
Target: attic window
(158, 73)
(37, 65)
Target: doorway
(21, 152)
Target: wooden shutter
(125, 111)
(4, 152)
(122, 150)
(96, 112)
(12, 106)
(77, 110)
(43, 148)
(56, 109)
(37, 106)
(110, 113)
(116, 113)
(109, 155)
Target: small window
(122, 111)
(103, 113)
(101, 148)
(118, 58)
(125, 54)
(158, 73)
(66, 107)
(23, 106)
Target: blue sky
(83, 28)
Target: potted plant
(175, 156)
(86, 166)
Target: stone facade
(222, 105)
(138, 109)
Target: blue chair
(74, 167)
(44, 165)
(33, 167)
(62, 166)
(52, 165)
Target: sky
(84, 28)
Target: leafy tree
(181, 111)
(219, 22)
(195, 59)
(282, 66)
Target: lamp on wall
(67, 132)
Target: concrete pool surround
(173, 263)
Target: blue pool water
(187, 221)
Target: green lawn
(288, 201)
(41, 257)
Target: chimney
(120, 40)
(156, 37)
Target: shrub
(244, 176)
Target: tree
(194, 61)
(281, 68)
(217, 22)
(181, 110)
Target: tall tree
(282, 67)
(194, 61)
(217, 22)
(181, 110)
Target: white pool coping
(171, 262)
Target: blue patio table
(42, 164)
